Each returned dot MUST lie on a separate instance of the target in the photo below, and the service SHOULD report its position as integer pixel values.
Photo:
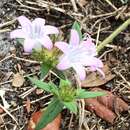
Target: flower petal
(38, 22)
(92, 61)
(98, 62)
(48, 29)
(18, 33)
(89, 47)
(93, 68)
(25, 23)
(64, 63)
(63, 46)
(46, 42)
(80, 70)
(38, 26)
(74, 38)
(29, 45)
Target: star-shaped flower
(35, 33)
(78, 55)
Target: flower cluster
(35, 33)
(78, 54)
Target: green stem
(113, 35)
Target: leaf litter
(90, 14)
(95, 80)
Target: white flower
(35, 33)
(78, 55)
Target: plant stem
(113, 35)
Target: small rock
(18, 80)
(4, 45)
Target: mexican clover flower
(35, 33)
(78, 55)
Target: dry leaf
(18, 80)
(94, 80)
(100, 110)
(106, 106)
(111, 101)
(54, 125)
(39, 91)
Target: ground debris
(18, 80)
(107, 107)
(94, 80)
(54, 125)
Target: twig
(81, 105)
(7, 23)
(127, 82)
(32, 102)
(106, 53)
(82, 113)
(113, 35)
(19, 1)
(121, 13)
(9, 114)
(98, 33)
(70, 122)
(113, 6)
(19, 58)
(5, 30)
(105, 14)
(47, 5)
(74, 5)
(6, 58)
(26, 60)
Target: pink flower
(79, 55)
(35, 33)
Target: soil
(61, 13)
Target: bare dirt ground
(94, 16)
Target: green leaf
(64, 83)
(40, 84)
(72, 106)
(44, 70)
(81, 93)
(52, 111)
(77, 27)
(49, 87)
(54, 89)
(59, 73)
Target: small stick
(5, 30)
(98, 33)
(32, 102)
(120, 14)
(7, 23)
(113, 6)
(70, 122)
(82, 114)
(26, 60)
(74, 5)
(9, 114)
(127, 82)
(113, 35)
(10, 56)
